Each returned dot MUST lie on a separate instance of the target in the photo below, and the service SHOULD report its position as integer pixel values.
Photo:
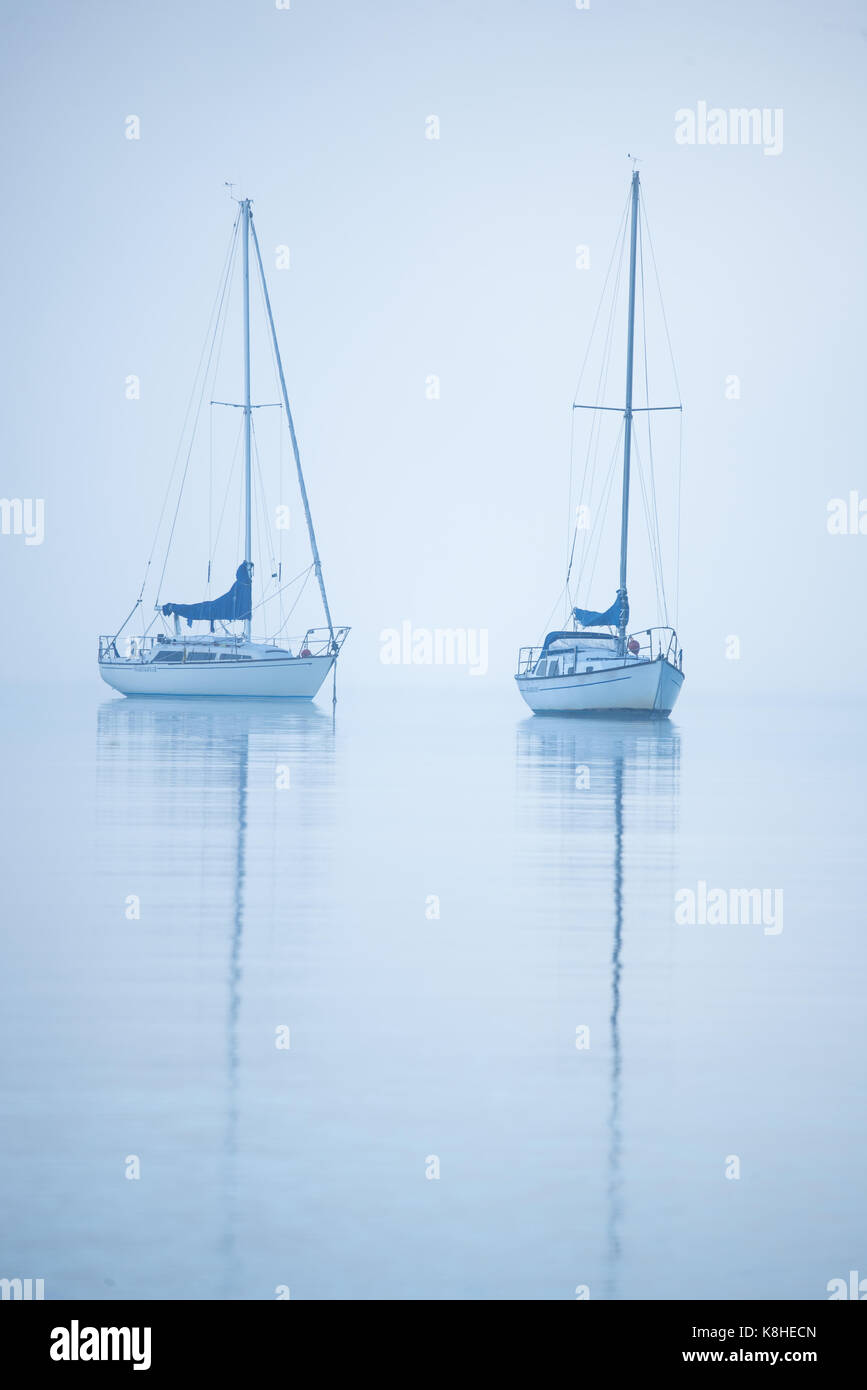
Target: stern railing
(656, 642)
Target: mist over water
(555, 848)
(400, 1005)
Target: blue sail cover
(235, 606)
(587, 618)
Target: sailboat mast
(627, 427)
(248, 414)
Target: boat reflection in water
(597, 801)
(226, 873)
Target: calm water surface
(551, 851)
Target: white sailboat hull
(292, 678)
(639, 687)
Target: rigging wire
(307, 574)
(619, 241)
(604, 503)
(648, 519)
(216, 311)
(263, 504)
(287, 585)
(677, 527)
(212, 543)
(651, 510)
(236, 454)
(281, 439)
(673, 361)
(596, 425)
(210, 493)
(263, 508)
(593, 538)
(547, 626)
(588, 481)
(661, 301)
(301, 484)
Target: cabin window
(169, 656)
(200, 656)
(554, 667)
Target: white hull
(293, 678)
(640, 687)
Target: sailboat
(596, 666)
(225, 659)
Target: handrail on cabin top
(656, 645)
(317, 641)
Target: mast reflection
(184, 767)
(603, 792)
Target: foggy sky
(454, 257)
